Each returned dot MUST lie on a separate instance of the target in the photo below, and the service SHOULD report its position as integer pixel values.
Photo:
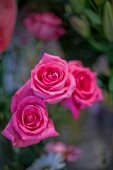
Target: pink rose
(45, 26)
(30, 122)
(7, 22)
(86, 92)
(51, 80)
(69, 152)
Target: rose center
(83, 82)
(30, 118)
(52, 76)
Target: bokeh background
(88, 37)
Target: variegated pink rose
(45, 26)
(50, 79)
(87, 90)
(29, 123)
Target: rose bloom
(30, 122)
(7, 21)
(51, 80)
(44, 26)
(69, 152)
(86, 92)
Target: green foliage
(78, 6)
(93, 17)
(93, 21)
(99, 2)
(108, 21)
(81, 26)
(110, 84)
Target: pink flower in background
(29, 123)
(8, 12)
(86, 92)
(44, 26)
(50, 79)
(69, 152)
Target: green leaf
(93, 17)
(78, 5)
(110, 85)
(99, 2)
(98, 46)
(108, 21)
(80, 26)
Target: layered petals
(30, 122)
(87, 90)
(50, 79)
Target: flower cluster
(53, 80)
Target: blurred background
(87, 36)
